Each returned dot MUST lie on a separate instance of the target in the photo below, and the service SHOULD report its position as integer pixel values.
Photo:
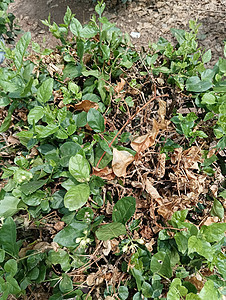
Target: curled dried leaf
(121, 160)
(153, 191)
(120, 85)
(143, 142)
(105, 173)
(85, 105)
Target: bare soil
(151, 18)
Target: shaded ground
(151, 18)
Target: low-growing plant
(69, 179)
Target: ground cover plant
(112, 167)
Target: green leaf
(11, 267)
(217, 209)
(8, 206)
(109, 231)
(179, 34)
(2, 255)
(208, 98)
(208, 116)
(106, 51)
(123, 292)
(13, 284)
(75, 27)
(66, 284)
(72, 71)
(8, 237)
(67, 236)
(45, 131)
(45, 91)
(35, 114)
(94, 73)
(21, 175)
(124, 209)
(160, 264)
(181, 239)
(206, 56)
(176, 290)
(79, 168)
(89, 31)
(6, 123)
(77, 196)
(34, 199)
(137, 274)
(60, 257)
(209, 291)
(147, 290)
(95, 120)
(32, 186)
(68, 150)
(194, 84)
(20, 49)
(214, 232)
(4, 101)
(200, 246)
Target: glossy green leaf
(32, 186)
(95, 120)
(200, 246)
(20, 49)
(76, 27)
(67, 236)
(8, 237)
(45, 131)
(123, 292)
(217, 209)
(67, 150)
(176, 290)
(35, 114)
(209, 291)
(208, 98)
(147, 290)
(214, 232)
(14, 287)
(160, 264)
(109, 231)
(2, 255)
(66, 284)
(60, 257)
(79, 168)
(77, 196)
(124, 209)
(11, 267)
(194, 84)
(45, 91)
(8, 206)
(206, 56)
(34, 199)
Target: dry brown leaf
(211, 220)
(153, 191)
(120, 85)
(105, 173)
(121, 160)
(162, 165)
(143, 142)
(91, 279)
(162, 109)
(12, 140)
(106, 248)
(85, 105)
(59, 225)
